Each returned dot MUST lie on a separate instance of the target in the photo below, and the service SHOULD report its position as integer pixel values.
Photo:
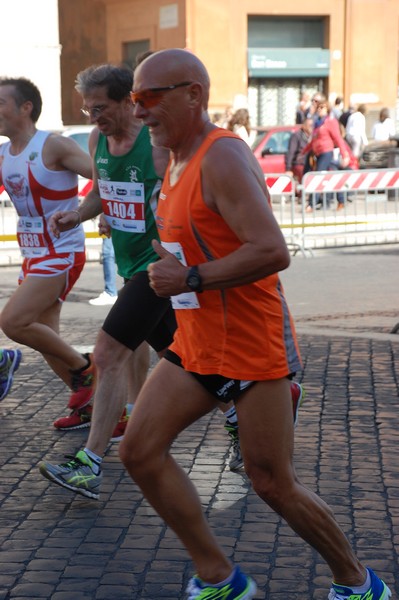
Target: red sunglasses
(153, 96)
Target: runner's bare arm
(63, 220)
(234, 187)
(91, 205)
(63, 153)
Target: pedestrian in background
(295, 159)
(384, 128)
(343, 119)
(338, 107)
(302, 111)
(326, 136)
(317, 99)
(356, 130)
(240, 124)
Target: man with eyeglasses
(127, 177)
(221, 253)
(39, 171)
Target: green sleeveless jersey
(129, 189)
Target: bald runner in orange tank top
(213, 336)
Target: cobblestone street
(59, 546)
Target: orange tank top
(244, 332)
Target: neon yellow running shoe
(240, 587)
(76, 475)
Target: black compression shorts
(140, 315)
(222, 388)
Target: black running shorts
(140, 315)
(222, 388)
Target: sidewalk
(60, 546)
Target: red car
(270, 146)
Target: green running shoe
(240, 587)
(76, 475)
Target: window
(132, 49)
(280, 32)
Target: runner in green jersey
(127, 178)
(130, 204)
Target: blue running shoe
(378, 590)
(241, 587)
(9, 363)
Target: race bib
(30, 234)
(123, 205)
(186, 299)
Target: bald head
(168, 67)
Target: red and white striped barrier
(278, 183)
(337, 181)
(84, 186)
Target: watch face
(193, 281)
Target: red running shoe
(78, 419)
(120, 428)
(83, 384)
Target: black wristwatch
(193, 280)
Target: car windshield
(257, 139)
(274, 142)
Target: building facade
(259, 53)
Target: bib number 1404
(125, 210)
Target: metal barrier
(282, 189)
(341, 208)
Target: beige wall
(372, 49)
(138, 20)
(222, 48)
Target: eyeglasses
(153, 96)
(94, 112)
